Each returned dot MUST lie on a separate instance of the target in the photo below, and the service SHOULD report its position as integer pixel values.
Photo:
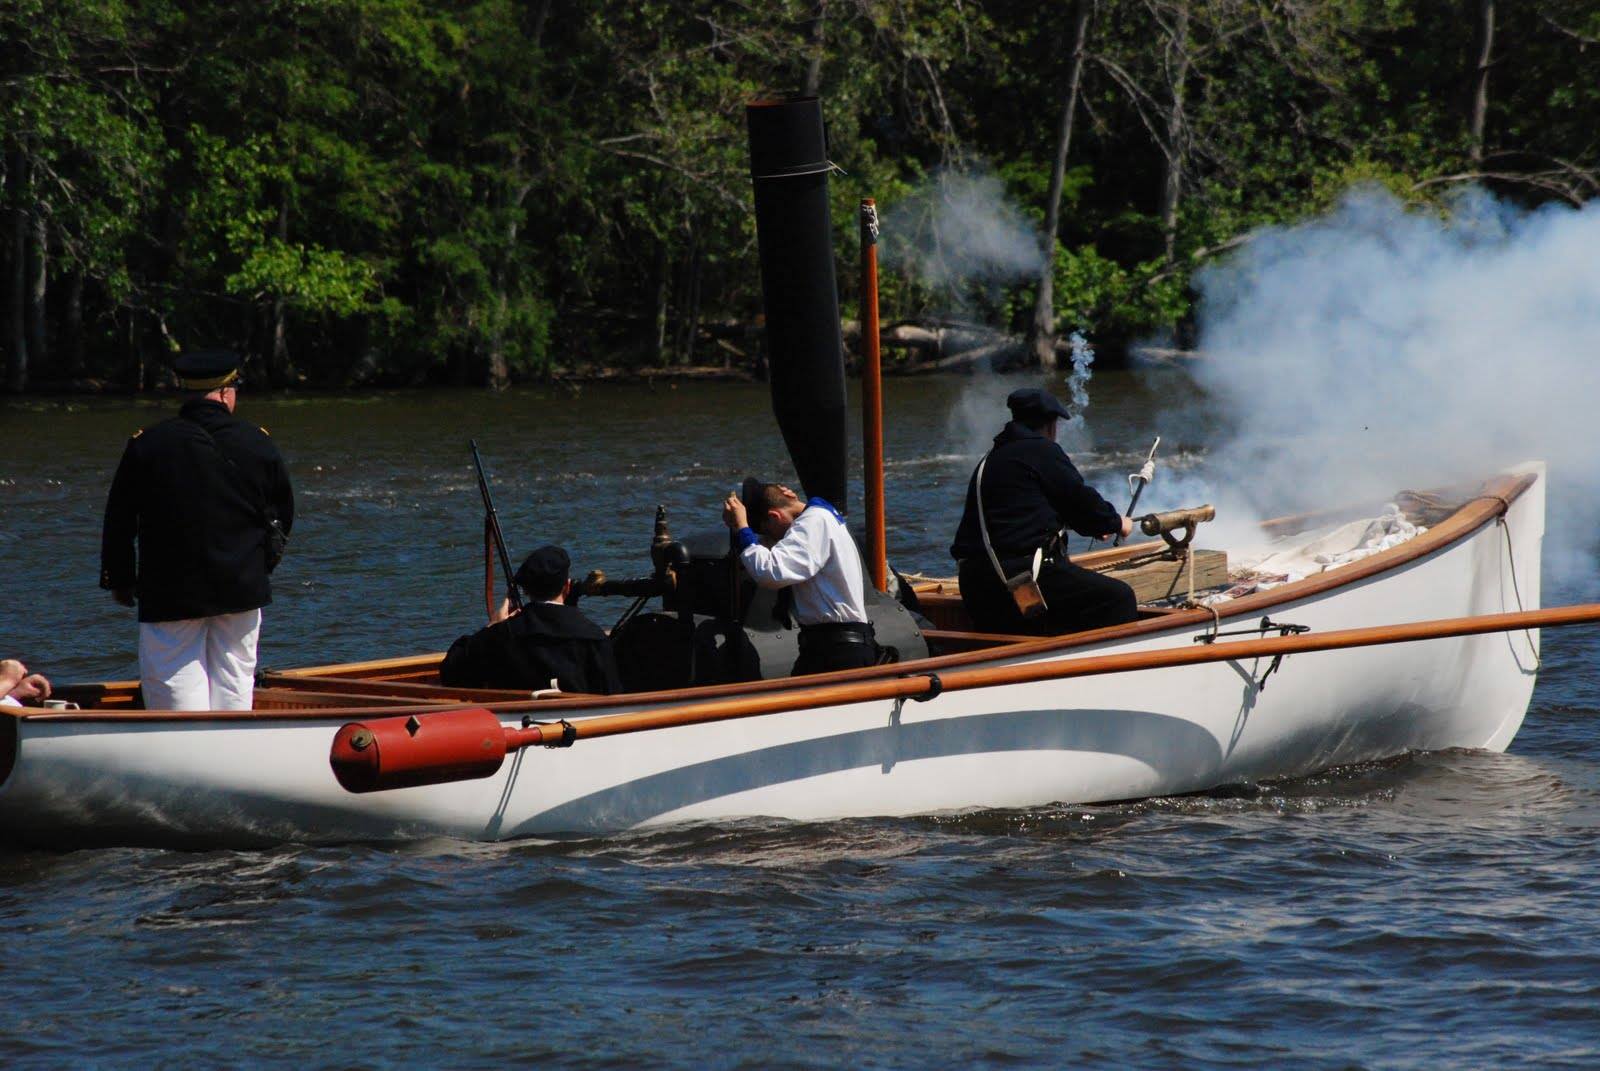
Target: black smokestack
(789, 163)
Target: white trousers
(202, 663)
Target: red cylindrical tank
(418, 749)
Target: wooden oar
(435, 747)
(928, 685)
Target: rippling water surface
(1440, 910)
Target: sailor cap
(543, 569)
(1031, 402)
(207, 369)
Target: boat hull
(1081, 740)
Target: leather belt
(836, 632)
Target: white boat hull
(1110, 737)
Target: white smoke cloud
(960, 228)
(1383, 347)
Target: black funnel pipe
(805, 349)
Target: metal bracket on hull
(1267, 625)
(569, 732)
(935, 689)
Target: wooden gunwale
(403, 663)
(309, 698)
(358, 687)
(1492, 501)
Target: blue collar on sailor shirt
(825, 504)
(747, 537)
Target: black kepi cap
(544, 569)
(1031, 402)
(207, 369)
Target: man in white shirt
(804, 545)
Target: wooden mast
(872, 399)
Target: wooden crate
(1162, 577)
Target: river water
(1441, 910)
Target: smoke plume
(1383, 347)
(960, 229)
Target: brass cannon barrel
(598, 584)
(1153, 524)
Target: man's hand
(733, 513)
(19, 684)
(33, 686)
(504, 612)
(1126, 530)
(123, 595)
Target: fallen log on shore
(670, 373)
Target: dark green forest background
(423, 191)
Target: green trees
(479, 191)
(76, 155)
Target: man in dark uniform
(206, 499)
(547, 641)
(1030, 491)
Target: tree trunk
(17, 336)
(1172, 188)
(499, 370)
(696, 273)
(135, 342)
(1041, 331)
(686, 293)
(504, 274)
(540, 15)
(278, 370)
(72, 336)
(38, 283)
(663, 284)
(814, 28)
(1480, 82)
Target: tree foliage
(477, 191)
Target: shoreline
(980, 360)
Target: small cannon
(1177, 520)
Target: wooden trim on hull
(1493, 501)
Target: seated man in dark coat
(1030, 491)
(547, 641)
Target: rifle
(491, 523)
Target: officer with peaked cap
(1031, 490)
(547, 641)
(198, 514)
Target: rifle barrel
(490, 512)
